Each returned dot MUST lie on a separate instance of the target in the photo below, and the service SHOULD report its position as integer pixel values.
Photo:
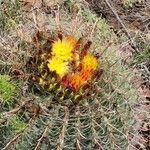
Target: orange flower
(80, 78)
(76, 81)
(72, 40)
(85, 74)
(73, 81)
(88, 65)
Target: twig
(94, 27)
(78, 145)
(12, 141)
(15, 110)
(7, 146)
(35, 20)
(41, 138)
(123, 25)
(75, 24)
(57, 18)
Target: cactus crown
(65, 66)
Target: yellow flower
(62, 49)
(56, 64)
(89, 62)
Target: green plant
(7, 89)
(144, 55)
(102, 121)
(141, 61)
(16, 123)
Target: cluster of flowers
(72, 68)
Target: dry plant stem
(93, 28)
(15, 110)
(35, 20)
(7, 147)
(16, 137)
(57, 18)
(41, 138)
(63, 129)
(89, 33)
(123, 25)
(75, 24)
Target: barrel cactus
(79, 95)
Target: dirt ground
(134, 18)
